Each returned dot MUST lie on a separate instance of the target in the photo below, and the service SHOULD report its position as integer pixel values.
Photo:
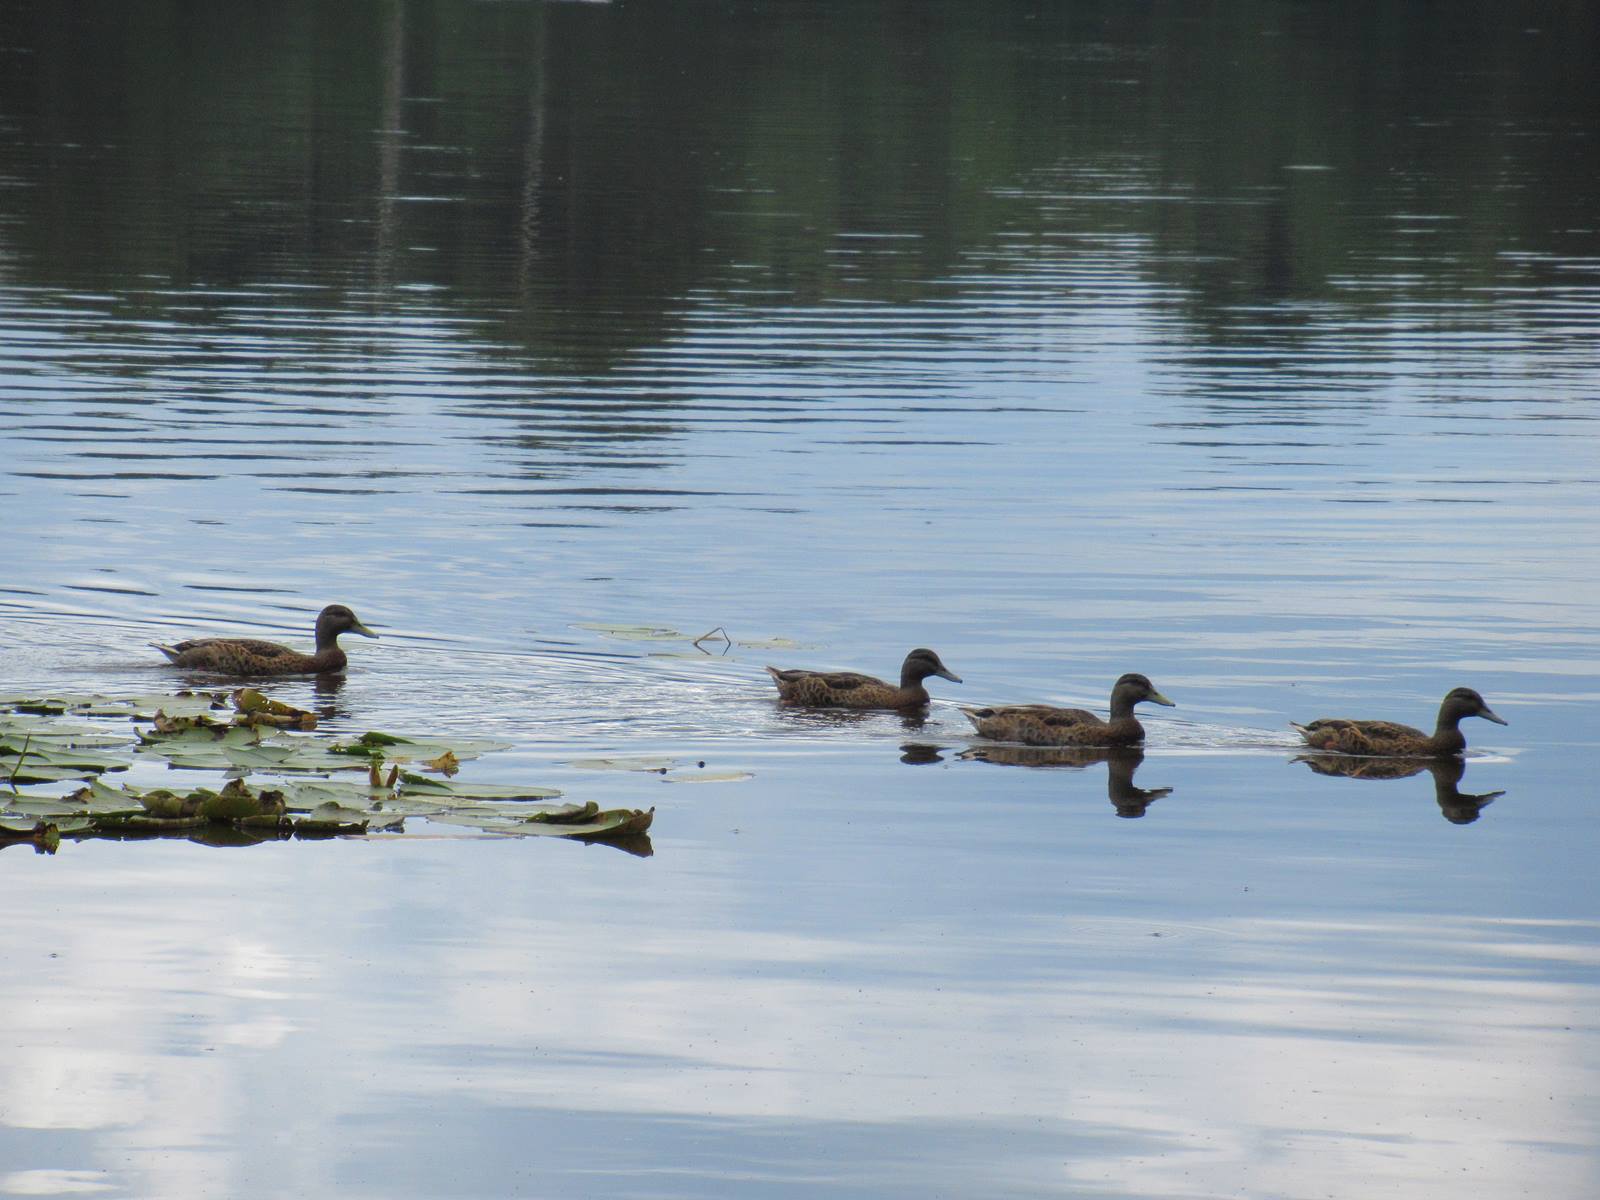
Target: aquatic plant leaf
(281, 756)
(34, 769)
(34, 807)
(194, 758)
(601, 826)
(332, 818)
(458, 790)
(415, 806)
(188, 731)
(171, 806)
(17, 728)
(236, 802)
(332, 810)
(565, 814)
(305, 795)
(255, 708)
(99, 798)
(637, 763)
(174, 704)
(772, 643)
(708, 777)
(168, 726)
(633, 633)
(414, 750)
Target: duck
(1042, 725)
(846, 689)
(248, 656)
(1386, 739)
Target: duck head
(337, 619)
(921, 663)
(1464, 702)
(1134, 688)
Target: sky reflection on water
(1256, 352)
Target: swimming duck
(846, 689)
(247, 656)
(1385, 739)
(1042, 725)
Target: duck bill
(1488, 714)
(358, 627)
(954, 678)
(1158, 698)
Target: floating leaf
(419, 750)
(332, 818)
(456, 790)
(708, 777)
(446, 764)
(237, 802)
(632, 633)
(773, 643)
(255, 708)
(639, 763)
(188, 731)
(43, 806)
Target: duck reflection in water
(1121, 762)
(911, 720)
(326, 688)
(1458, 807)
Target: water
(1251, 350)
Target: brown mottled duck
(846, 689)
(248, 656)
(1386, 739)
(1042, 725)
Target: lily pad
(265, 763)
(414, 750)
(332, 818)
(637, 763)
(616, 823)
(458, 790)
(708, 777)
(632, 633)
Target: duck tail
(977, 714)
(1302, 730)
(170, 651)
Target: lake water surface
(1255, 348)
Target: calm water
(1257, 349)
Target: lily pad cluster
(282, 779)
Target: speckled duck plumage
(249, 656)
(1042, 725)
(1386, 739)
(846, 689)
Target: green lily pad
(332, 818)
(50, 739)
(637, 763)
(708, 777)
(632, 633)
(403, 750)
(33, 808)
(456, 790)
